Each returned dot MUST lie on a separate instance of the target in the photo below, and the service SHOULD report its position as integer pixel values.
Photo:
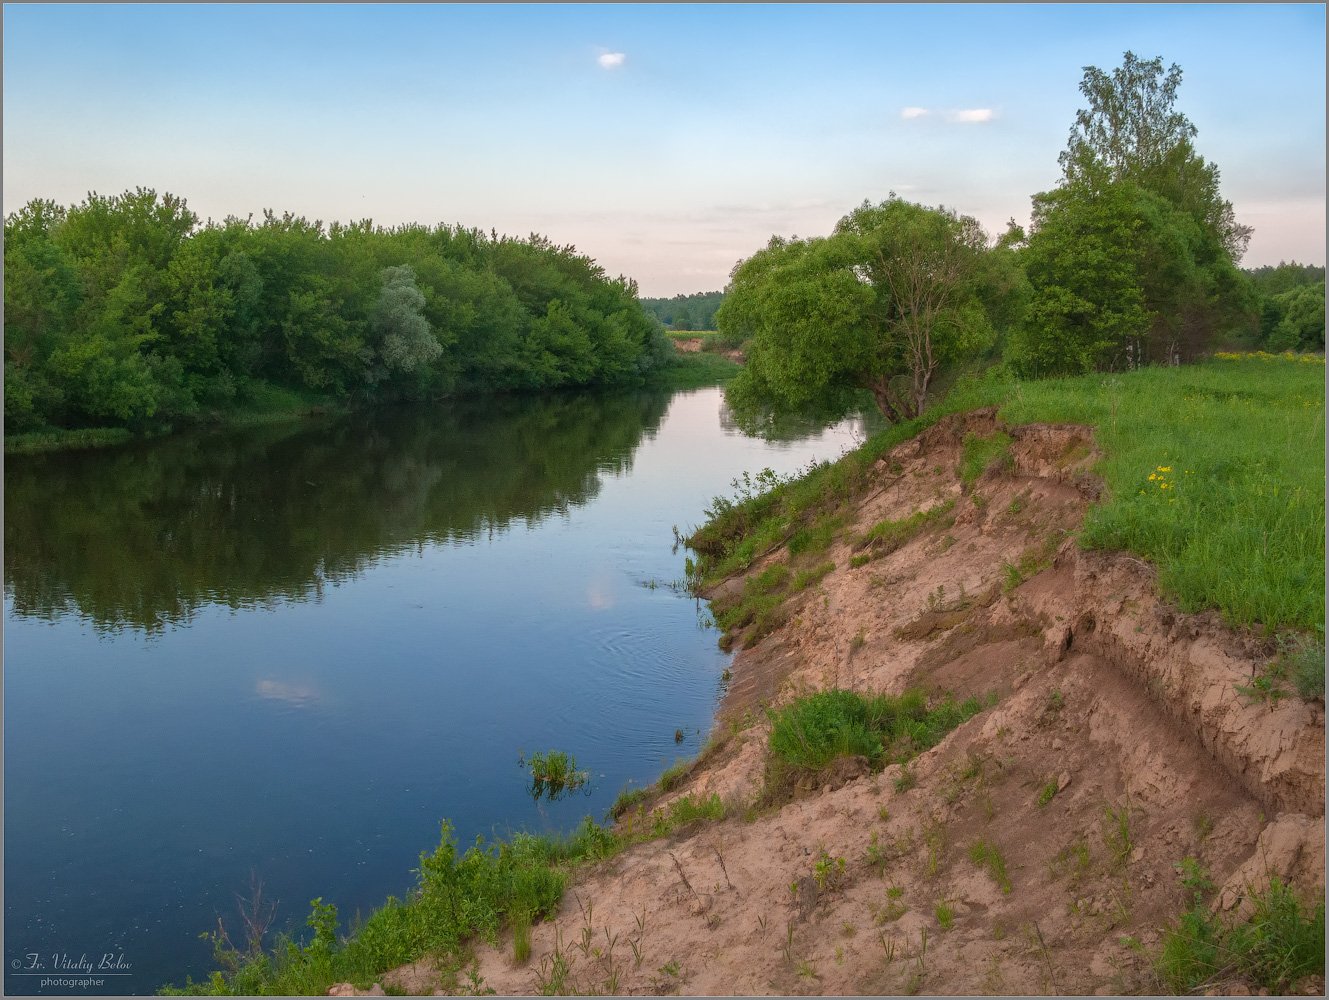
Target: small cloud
(296, 694)
(611, 60)
(908, 113)
(970, 116)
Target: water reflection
(145, 535)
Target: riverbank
(269, 404)
(1147, 751)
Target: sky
(666, 141)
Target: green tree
(1132, 258)
(893, 295)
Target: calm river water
(288, 653)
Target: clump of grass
(1047, 793)
(759, 605)
(979, 454)
(1074, 860)
(521, 937)
(804, 579)
(685, 811)
(674, 774)
(1282, 943)
(987, 855)
(945, 915)
(886, 536)
(554, 774)
(628, 799)
(1117, 836)
(809, 734)
(817, 537)
(1299, 665)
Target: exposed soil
(1117, 746)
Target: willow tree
(896, 292)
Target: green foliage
(1281, 943)
(1132, 259)
(807, 577)
(686, 312)
(459, 896)
(1300, 320)
(896, 293)
(123, 311)
(945, 915)
(1047, 793)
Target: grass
(886, 536)
(811, 733)
(458, 896)
(1214, 472)
(694, 371)
(979, 454)
(1282, 943)
(554, 774)
(1117, 836)
(1047, 793)
(804, 579)
(987, 855)
(945, 915)
(36, 442)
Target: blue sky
(667, 142)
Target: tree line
(686, 312)
(125, 311)
(1131, 260)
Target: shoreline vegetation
(126, 312)
(1209, 471)
(272, 404)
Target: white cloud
(611, 60)
(969, 116)
(908, 113)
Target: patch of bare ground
(1033, 850)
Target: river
(285, 654)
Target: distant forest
(686, 312)
(123, 311)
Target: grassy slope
(1214, 472)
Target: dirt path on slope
(1117, 746)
